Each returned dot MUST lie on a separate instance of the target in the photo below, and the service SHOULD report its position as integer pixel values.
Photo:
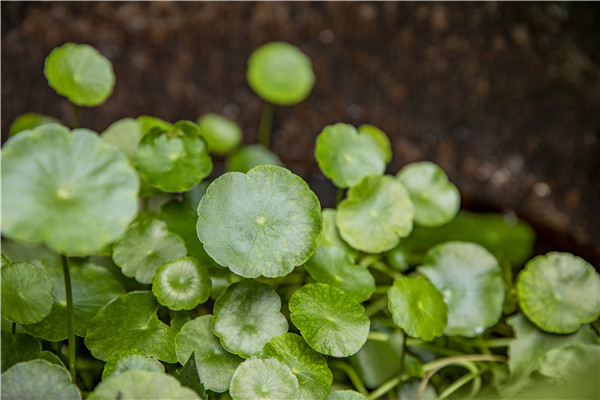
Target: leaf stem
(498, 342)
(382, 267)
(382, 289)
(266, 121)
(75, 112)
(403, 356)
(463, 381)
(386, 387)
(376, 306)
(70, 330)
(352, 375)
(367, 260)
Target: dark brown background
(505, 97)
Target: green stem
(433, 348)
(13, 328)
(340, 196)
(381, 289)
(75, 111)
(499, 342)
(352, 375)
(71, 332)
(378, 336)
(381, 267)
(266, 121)
(376, 306)
(463, 381)
(366, 261)
(386, 387)
(403, 356)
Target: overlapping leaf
(38, 379)
(263, 379)
(221, 134)
(182, 284)
(130, 360)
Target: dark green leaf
(25, 293)
(18, 348)
(188, 376)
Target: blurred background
(505, 97)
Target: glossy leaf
(375, 215)
(130, 360)
(331, 236)
(280, 73)
(221, 134)
(310, 367)
(247, 316)
(146, 245)
(331, 322)
(215, 365)
(67, 190)
(346, 156)
(130, 323)
(559, 292)
(436, 199)
(263, 379)
(264, 222)
(248, 157)
(345, 395)
(38, 379)
(80, 73)
(379, 136)
(418, 307)
(29, 121)
(173, 160)
(470, 280)
(124, 134)
(25, 293)
(335, 267)
(181, 284)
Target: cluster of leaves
(184, 285)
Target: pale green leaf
(38, 379)
(263, 379)
(130, 360)
(248, 157)
(181, 284)
(26, 294)
(29, 121)
(124, 134)
(380, 137)
(569, 362)
(331, 236)
(221, 134)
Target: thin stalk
(381, 289)
(492, 343)
(378, 336)
(461, 382)
(368, 260)
(403, 356)
(386, 387)
(340, 196)
(352, 375)
(266, 121)
(70, 330)
(13, 328)
(381, 267)
(377, 306)
(75, 112)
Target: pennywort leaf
(130, 360)
(264, 379)
(221, 134)
(181, 284)
(18, 348)
(29, 121)
(331, 235)
(248, 157)
(380, 137)
(38, 379)
(124, 134)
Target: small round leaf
(142, 385)
(331, 322)
(125, 134)
(418, 307)
(248, 157)
(470, 280)
(280, 73)
(381, 138)
(221, 134)
(346, 157)
(436, 199)
(181, 284)
(263, 379)
(264, 222)
(67, 190)
(375, 215)
(80, 73)
(247, 316)
(331, 236)
(26, 294)
(38, 379)
(29, 121)
(559, 292)
(130, 360)
(144, 247)
(215, 365)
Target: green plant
(242, 286)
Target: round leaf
(380, 137)
(375, 215)
(345, 395)
(331, 322)
(470, 280)
(215, 365)
(248, 157)
(436, 199)
(280, 73)
(264, 222)
(181, 284)
(25, 293)
(142, 385)
(38, 379)
(330, 235)
(173, 160)
(67, 190)
(335, 267)
(125, 134)
(247, 316)
(144, 247)
(18, 348)
(80, 73)
(559, 292)
(130, 323)
(346, 157)
(263, 379)
(418, 307)
(29, 121)
(92, 287)
(221, 134)
(572, 361)
(130, 360)
(310, 367)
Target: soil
(504, 96)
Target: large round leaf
(331, 236)
(280, 73)
(559, 292)
(470, 280)
(215, 365)
(142, 385)
(173, 160)
(264, 222)
(310, 367)
(418, 307)
(144, 247)
(130, 360)
(130, 323)
(38, 379)
(331, 322)
(181, 284)
(221, 134)
(436, 199)
(248, 157)
(25, 293)
(92, 287)
(263, 379)
(335, 267)
(346, 157)
(80, 73)
(247, 316)
(125, 134)
(376, 214)
(67, 190)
